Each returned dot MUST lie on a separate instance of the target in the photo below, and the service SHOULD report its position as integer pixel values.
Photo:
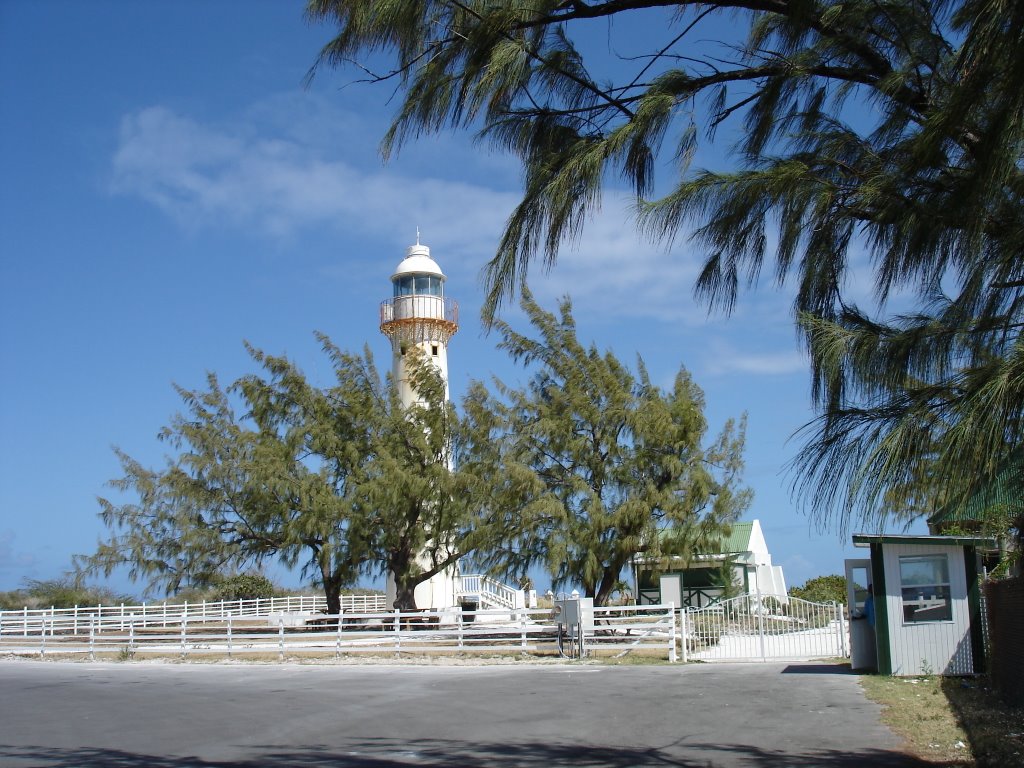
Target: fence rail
(107, 618)
(650, 629)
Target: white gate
(749, 628)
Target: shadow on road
(395, 753)
(817, 669)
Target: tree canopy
(338, 481)
(602, 464)
(878, 138)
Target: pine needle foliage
(338, 481)
(604, 464)
(882, 136)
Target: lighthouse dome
(417, 261)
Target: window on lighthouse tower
(419, 285)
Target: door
(862, 620)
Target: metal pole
(684, 634)
(760, 617)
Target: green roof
(1002, 497)
(737, 541)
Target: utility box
(575, 611)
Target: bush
(65, 592)
(242, 586)
(822, 589)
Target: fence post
(672, 634)
(280, 639)
(229, 635)
(841, 628)
(165, 614)
(760, 618)
(522, 628)
(459, 618)
(74, 629)
(42, 635)
(184, 649)
(1, 622)
(99, 618)
(92, 639)
(131, 637)
(24, 621)
(120, 626)
(684, 635)
(398, 631)
(337, 641)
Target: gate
(752, 628)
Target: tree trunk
(608, 581)
(405, 596)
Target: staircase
(488, 593)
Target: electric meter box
(572, 611)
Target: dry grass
(950, 721)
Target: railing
(490, 592)
(105, 618)
(620, 630)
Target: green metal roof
(1003, 497)
(737, 541)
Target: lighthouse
(419, 315)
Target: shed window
(925, 583)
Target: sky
(170, 189)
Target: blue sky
(169, 189)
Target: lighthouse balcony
(419, 306)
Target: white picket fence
(108, 618)
(618, 630)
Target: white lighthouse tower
(418, 314)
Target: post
(131, 637)
(280, 639)
(459, 619)
(184, 622)
(74, 627)
(684, 635)
(398, 631)
(337, 641)
(522, 628)
(672, 634)
(24, 621)
(92, 639)
(229, 635)
(841, 628)
(42, 635)
(165, 614)
(760, 617)
(121, 625)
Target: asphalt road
(162, 715)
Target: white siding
(938, 647)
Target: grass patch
(951, 722)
